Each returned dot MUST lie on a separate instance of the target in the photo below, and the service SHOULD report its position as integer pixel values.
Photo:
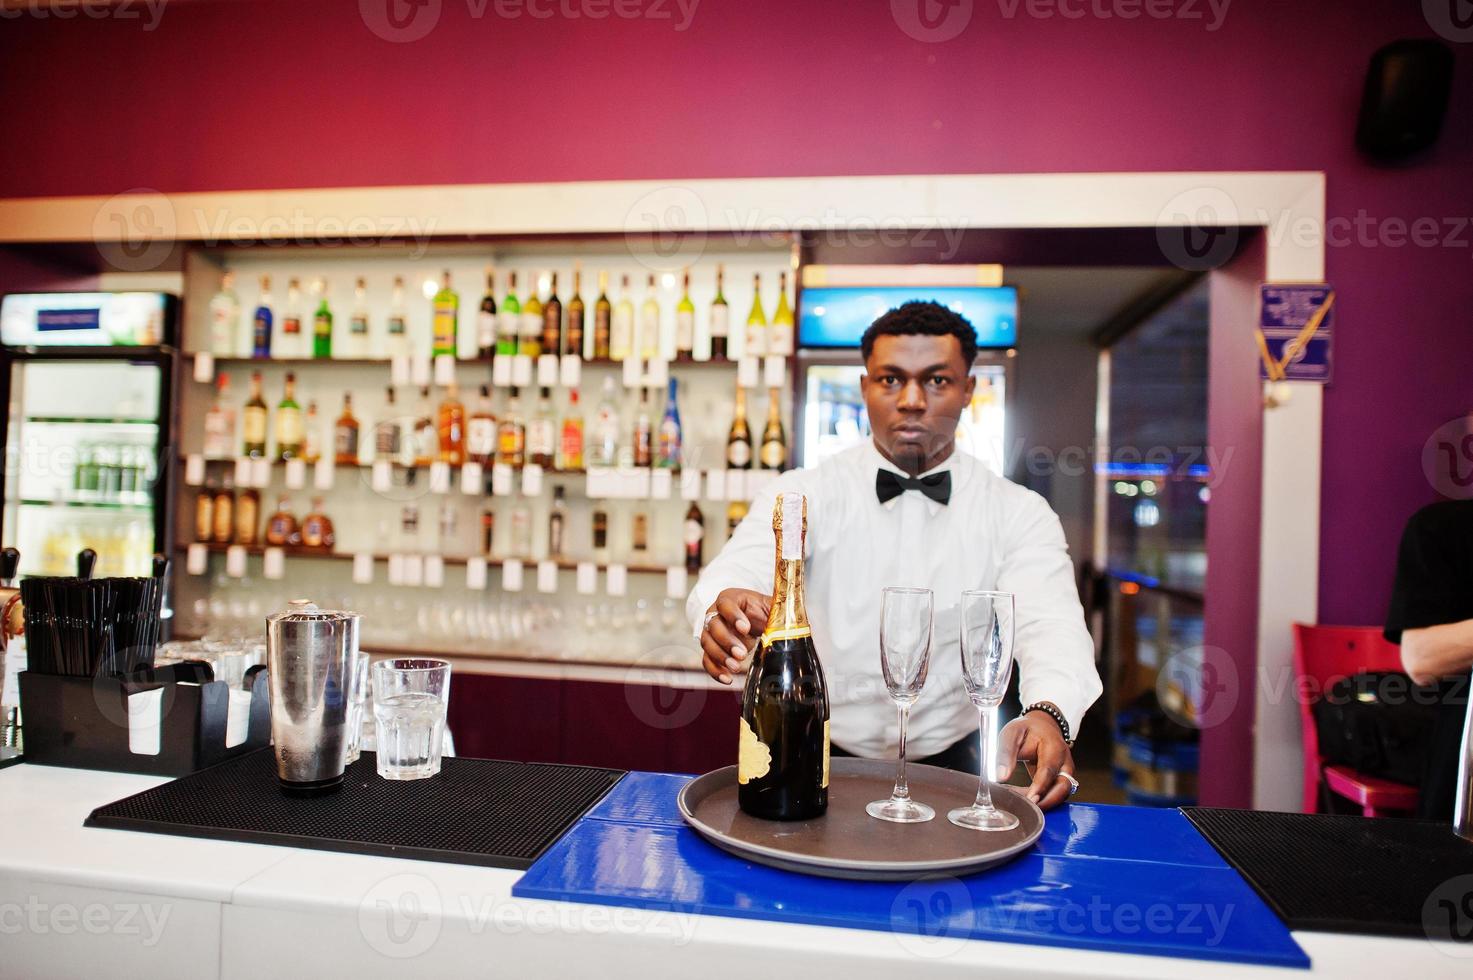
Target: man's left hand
(1035, 738)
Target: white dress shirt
(993, 534)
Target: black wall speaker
(1406, 95)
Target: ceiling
(1078, 301)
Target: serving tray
(846, 842)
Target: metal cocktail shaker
(312, 656)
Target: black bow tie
(889, 485)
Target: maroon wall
(283, 93)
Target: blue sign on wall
(1288, 352)
(837, 316)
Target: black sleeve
(1433, 586)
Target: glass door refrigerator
(829, 410)
(88, 381)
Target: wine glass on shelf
(987, 660)
(905, 656)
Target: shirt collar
(877, 462)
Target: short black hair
(922, 317)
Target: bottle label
(693, 533)
(217, 434)
(486, 330)
(685, 330)
(255, 425)
(396, 325)
(541, 438)
(289, 427)
(444, 328)
(774, 454)
(720, 320)
(572, 444)
(291, 325)
(480, 436)
(346, 443)
(531, 325)
(507, 323)
(263, 329)
(756, 339)
(754, 759)
(738, 454)
(781, 341)
(825, 753)
(322, 325)
(359, 324)
(386, 438)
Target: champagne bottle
(575, 314)
(720, 319)
(621, 342)
(552, 321)
(322, 324)
(736, 512)
(774, 439)
(445, 319)
(739, 439)
(509, 320)
(254, 420)
(756, 336)
(783, 749)
(780, 338)
(603, 312)
(685, 322)
(262, 324)
(486, 319)
(289, 430)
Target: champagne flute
(987, 660)
(905, 656)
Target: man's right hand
(733, 625)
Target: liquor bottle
(643, 431)
(396, 328)
(253, 426)
(317, 530)
(739, 438)
(621, 335)
(281, 527)
(322, 325)
(780, 337)
(451, 427)
(639, 534)
(225, 319)
(756, 336)
(486, 319)
(223, 528)
(247, 516)
(480, 430)
(685, 322)
(511, 435)
(444, 319)
(530, 342)
(604, 451)
(293, 340)
(449, 522)
(263, 321)
(488, 531)
(312, 437)
(669, 457)
(552, 321)
(601, 533)
(220, 422)
(570, 446)
(603, 313)
(557, 523)
(426, 438)
(521, 531)
(357, 345)
(735, 512)
(388, 434)
(783, 748)
(774, 440)
(695, 538)
(345, 435)
(509, 320)
(204, 513)
(576, 314)
(720, 319)
(542, 433)
(289, 421)
(649, 322)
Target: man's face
(915, 388)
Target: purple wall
(283, 93)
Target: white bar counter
(83, 902)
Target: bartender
(1431, 616)
(907, 509)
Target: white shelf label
(676, 585)
(475, 573)
(261, 472)
(383, 476)
(414, 570)
(587, 578)
(521, 370)
(547, 370)
(444, 370)
(597, 483)
(439, 477)
(658, 373)
(243, 471)
(419, 370)
(322, 474)
(399, 370)
(194, 470)
(632, 371)
(511, 575)
(362, 569)
(616, 580)
(197, 559)
(296, 474)
(747, 372)
(472, 478)
(204, 368)
(661, 482)
(502, 476)
(531, 480)
(235, 561)
(273, 563)
(396, 570)
(501, 371)
(737, 484)
(434, 571)
(638, 484)
(716, 484)
(690, 484)
(547, 576)
(571, 371)
(774, 370)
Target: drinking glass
(905, 655)
(357, 698)
(410, 698)
(987, 660)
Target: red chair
(1323, 655)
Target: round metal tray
(846, 842)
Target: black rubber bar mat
(1344, 873)
(476, 811)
